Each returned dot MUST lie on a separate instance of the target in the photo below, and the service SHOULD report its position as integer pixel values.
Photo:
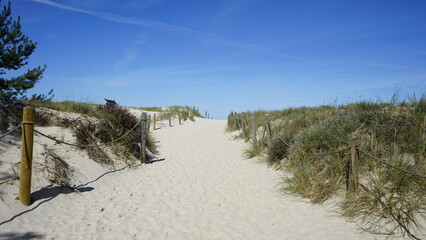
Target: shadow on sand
(49, 193)
(20, 236)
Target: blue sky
(227, 55)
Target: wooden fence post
(253, 129)
(26, 155)
(144, 119)
(243, 125)
(149, 122)
(155, 121)
(180, 123)
(353, 171)
(236, 127)
(170, 119)
(268, 130)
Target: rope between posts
(318, 155)
(329, 153)
(9, 132)
(392, 166)
(86, 146)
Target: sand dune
(200, 187)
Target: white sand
(204, 189)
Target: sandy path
(204, 189)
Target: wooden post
(253, 129)
(26, 155)
(236, 127)
(205, 114)
(243, 125)
(170, 119)
(353, 173)
(155, 121)
(180, 123)
(268, 130)
(149, 123)
(143, 136)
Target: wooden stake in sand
(253, 129)
(353, 178)
(236, 127)
(26, 155)
(268, 130)
(243, 125)
(155, 121)
(144, 120)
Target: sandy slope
(203, 189)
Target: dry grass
(391, 201)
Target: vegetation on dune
(184, 112)
(312, 146)
(100, 124)
(89, 109)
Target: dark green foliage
(15, 49)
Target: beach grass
(311, 144)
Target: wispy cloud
(143, 3)
(174, 29)
(129, 56)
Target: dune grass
(185, 112)
(70, 106)
(112, 123)
(312, 146)
(152, 109)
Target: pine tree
(15, 49)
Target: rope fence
(89, 146)
(392, 166)
(27, 125)
(11, 131)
